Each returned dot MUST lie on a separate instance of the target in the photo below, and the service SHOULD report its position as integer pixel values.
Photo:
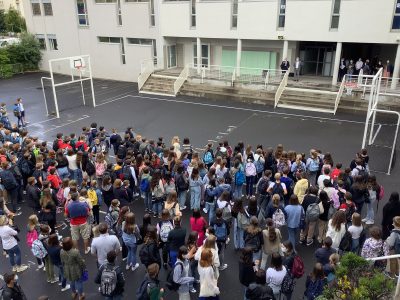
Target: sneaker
(14, 269)
(41, 266)
(370, 222)
(54, 280)
(205, 210)
(124, 259)
(135, 267)
(146, 209)
(59, 283)
(227, 241)
(87, 250)
(21, 268)
(18, 213)
(127, 267)
(66, 288)
(364, 220)
(310, 242)
(223, 267)
(183, 208)
(193, 290)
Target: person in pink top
(198, 224)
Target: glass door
(171, 62)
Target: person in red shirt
(54, 179)
(81, 145)
(335, 173)
(198, 223)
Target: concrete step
(228, 90)
(310, 101)
(309, 91)
(307, 104)
(307, 108)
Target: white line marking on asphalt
(223, 133)
(44, 121)
(212, 141)
(103, 212)
(376, 133)
(65, 124)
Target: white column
(285, 49)
(238, 56)
(336, 65)
(396, 71)
(198, 52)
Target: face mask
(207, 234)
(16, 278)
(283, 248)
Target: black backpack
(55, 145)
(90, 168)
(262, 186)
(346, 242)
(8, 180)
(181, 183)
(144, 255)
(277, 189)
(126, 173)
(170, 283)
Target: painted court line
(65, 124)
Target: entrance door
(171, 51)
(317, 60)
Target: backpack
(277, 189)
(100, 168)
(165, 228)
(346, 242)
(253, 241)
(208, 159)
(259, 166)
(226, 213)
(240, 177)
(108, 281)
(111, 222)
(341, 197)
(332, 210)
(60, 197)
(250, 169)
(92, 195)
(315, 288)
(288, 284)
(314, 165)
(31, 236)
(8, 180)
(142, 292)
(55, 145)
(220, 232)
(172, 210)
(313, 212)
(126, 173)
(181, 183)
(298, 267)
(262, 186)
(145, 184)
(90, 168)
(278, 217)
(170, 283)
(397, 242)
(158, 192)
(38, 249)
(16, 111)
(144, 255)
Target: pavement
(119, 105)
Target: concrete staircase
(159, 85)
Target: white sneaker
(67, 287)
(135, 267)
(370, 222)
(193, 290)
(41, 266)
(364, 220)
(54, 280)
(183, 208)
(223, 267)
(21, 268)
(205, 210)
(127, 267)
(87, 250)
(14, 269)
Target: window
(47, 8)
(122, 45)
(136, 0)
(105, 1)
(53, 45)
(83, 18)
(119, 13)
(205, 55)
(152, 14)
(154, 48)
(396, 16)
(335, 14)
(282, 13)
(110, 40)
(135, 41)
(42, 41)
(234, 13)
(192, 13)
(36, 9)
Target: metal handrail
(183, 76)
(397, 292)
(147, 67)
(280, 89)
(339, 94)
(233, 77)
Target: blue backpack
(314, 165)
(145, 185)
(240, 178)
(259, 166)
(208, 159)
(220, 232)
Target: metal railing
(183, 76)
(154, 61)
(339, 94)
(281, 88)
(258, 76)
(147, 68)
(388, 89)
(397, 292)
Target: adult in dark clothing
(322, 254)
(117, 293)
(359, 192)
(10, 184)
(288, 255)
(146, 222)
(150, 251)
(33, 195)
(176, 239)
(246, 267)
(54, 250)
(12, 290)
(259, 290)
(390, 210)
(115, 140)
(120, 193)
(323, 218)
(285, 65)
(26, 166)
(107, 190)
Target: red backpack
(298, 267)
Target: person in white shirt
(297, 66)
(322, 177)
(355, 229)
(275, 274)
(22, 111)
(359, 65)
(103, 244)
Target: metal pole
(83, 92)
(367, 119)
(54, 90)
(391, 160)
(376, 83)
(91, 81)
(44, 96)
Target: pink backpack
(100, 169)
(31, 236)
(60, 197)
(381, 193)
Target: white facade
(307, 27)
(6, 4)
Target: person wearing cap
(9, 239)
(391, 241)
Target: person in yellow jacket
(300, 189)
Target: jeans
(13, 197)
(312, 178)
(359, 207)
(79, 177)
(172, 258)
(147, 200)
(49, 268)
(6, 122)
(370, 210)
(221, 252)
(73, 174)
(157, 208)
(195, 194)
(131, 258)
(63, 172)
(77, 287)
(237, 191)
(293, 236)
(257, 255)
(237, 236)
(182, 198)
(61, 277)
(249, 185)
(210, 206)
(17, 252)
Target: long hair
(121, 217)
(338, 219)
(130, 225)
(151, 235)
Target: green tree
(5, 67)
(2, 21)
(14, 22)
(27, 52)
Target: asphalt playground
(119, 105)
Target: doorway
(171, 53)
(317, 60)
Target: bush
(356, 279)
(27, 52)
(5, 67)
